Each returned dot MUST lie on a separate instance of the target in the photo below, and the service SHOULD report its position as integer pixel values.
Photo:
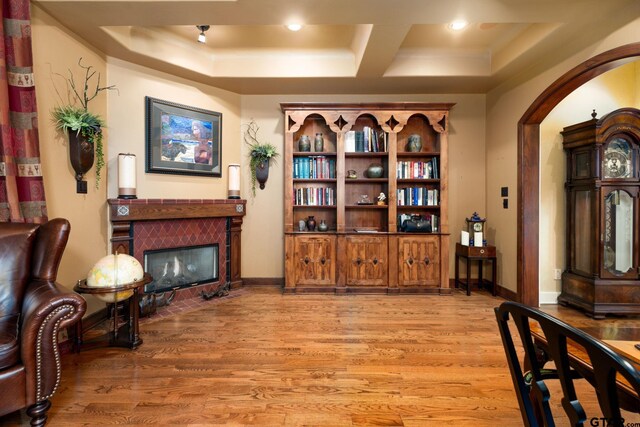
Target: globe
(114, 270)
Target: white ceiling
(345, 46)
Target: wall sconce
(201, 37)
(234, 181)
(127, 176)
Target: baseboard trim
(549, 297)
(507, 294)
(263, 281)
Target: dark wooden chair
(529, 376)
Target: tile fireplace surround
(138, 225)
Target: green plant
(72, 118)
(258, 152)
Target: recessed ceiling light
(458, 25)
(294, 27)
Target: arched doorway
(529, 160)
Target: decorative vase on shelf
(311, 223)
(302, 225)
(323, 225)
(304, 143)
(375, 170)
(415, 143)
(318, 143)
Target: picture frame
(182, 140)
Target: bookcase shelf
(376, 257)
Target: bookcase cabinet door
(419, 261)
(315, 260)
(367, 261)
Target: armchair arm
(47, 307)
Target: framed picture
(182, 140)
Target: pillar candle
(126, 176)
(464, 238)
(477, 238)
(234, 181)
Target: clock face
(615, 165)
(477, 226)
(617, 159)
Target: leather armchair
(33, 308)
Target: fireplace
(178, 268)
(190, 247)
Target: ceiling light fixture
(201, 37)
(458, 25)
(294, 27)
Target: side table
(124, 330)
(480, 254)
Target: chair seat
(9, 346)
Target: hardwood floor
(263, 358)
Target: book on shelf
(350, 141)
(367, 140)
(409, 169)
(314, 196)
(416, 196)
(314, 167)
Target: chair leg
(38, 413)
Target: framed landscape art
(182, 140)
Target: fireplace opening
(183, 267)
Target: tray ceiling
(354, 46)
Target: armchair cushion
(15, 260)
(9, 348)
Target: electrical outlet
(557, 274)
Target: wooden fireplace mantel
(124, 212)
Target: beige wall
(505, 107)
(636, 96)
(57, 51)
(607, 92)
(127, 130)
(263, 257)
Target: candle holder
(127, 176)
(234, 181)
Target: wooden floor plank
(267, 359)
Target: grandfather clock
(603, 189)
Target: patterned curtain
(21, 187)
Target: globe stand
(122, 317)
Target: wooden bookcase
(363, 249)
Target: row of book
(417, 169)
(367, 140)
(314, 196)
(417, 196)
(316, 167)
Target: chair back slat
(533, 395)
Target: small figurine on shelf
(351, 174)
(364, 200)
(381, 199)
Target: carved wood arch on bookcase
(435, 119)
(529, 161)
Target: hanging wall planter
(260, 155)
(84, 129)
(81, 154)
(262, 173)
